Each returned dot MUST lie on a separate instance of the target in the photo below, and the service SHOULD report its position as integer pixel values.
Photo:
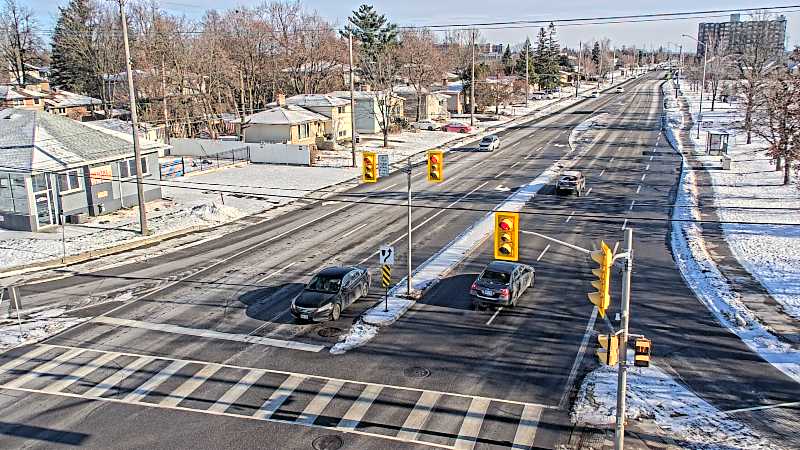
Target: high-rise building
(735, 36)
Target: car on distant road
(457, 127)
(501, 283)
(620, 90)
(426, 124)
(489, 143)
(329, 292)
(571, 181)
(595, 94)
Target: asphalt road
(200, 350)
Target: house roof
(407, 90)
(40, 141)
(11, 92)
(360, 95)
(66, 99)
(312, 100)
(284, 115)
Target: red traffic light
(506, 224)
(434, 159)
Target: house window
(341, 109)
(304, 130)
(13, 195)
(127, 168)
(69, 181)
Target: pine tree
(553, 58)
(72, 48)
(542, 59)
(506, 61)
(596, 53)
(373, 30)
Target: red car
(455, 127)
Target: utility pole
(137, 154)
(352, 102)
(527, 73)
(600, 68)
(164, 99)
(580, 60)
(613, 64)
(622, 374)
(408, 275)
(472, 82)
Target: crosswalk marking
(357, 410)
(471, 427)
(236, 391)
(190, 385)
(44, 369)
(81, 372)
(119, 376)
(418, 416)
(22, 359)
(320, 401)
(526, 430)
(279, 396)
(151, 384)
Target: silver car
(489, 143)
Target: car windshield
(325, 284)
(568, 178)
(499, 277)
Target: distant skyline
(418, 12)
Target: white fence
(258, 153)
(280, 154)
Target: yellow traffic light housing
(609, 349)
(602, 297)
(642, 356)
(435, 166)
(506, 236)
(369, 167)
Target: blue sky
(422, 12)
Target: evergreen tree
(542, 59)
(526, 53)
(72, 48)
(596, 54)
(506, 61)
(553, 66)
(373, 30)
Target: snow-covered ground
(655, 396)
(710, 286)
(34, 327)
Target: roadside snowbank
(35, 327)
(653, 395)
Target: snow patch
(358, 335)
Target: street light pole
(622, 374)
(352, 102)
(703, 83)
(580, 60)
(527, 73)
(472, 82)
(137, 154)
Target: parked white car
(426, 124)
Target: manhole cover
(329, 332)
(416, 372)
(328, 442)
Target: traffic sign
(386, 276)
(386, 255)
(383, 165)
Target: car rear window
(568, 178)
(492, 275)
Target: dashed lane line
(541, 255)
(633, 202)
(353, 230)
(643, 176)
(494, 316)
(624, 224)
(569, 217)
(638, 188)
(272, 274)
(500, 174)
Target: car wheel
(430, 128)
(337, 312)
(364, 290)
(464, 130)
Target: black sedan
(329, 292)
(501, 283)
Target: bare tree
(777, 120)
(19, 43)
(718, 70)
(422, 61)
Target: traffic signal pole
(408, 276)
(622, 374)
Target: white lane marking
(190, 385)
(647, 167)
(616, 247)
(279, 397)
(353, 230)
(210, 334)
(643, 176)
(759, 408)
(388, 187)
(22, 359)
(236, 391)
(357, 410)
(602, 172)
(570, 217)
(588, 192)
(155, 381)
(611, 161)
(371, 255)
(43, 369)
(320, 401)
(489, 322)
(81, 372)
(119, 376)
(515, 164)
(276, 272)
(526, 430)
(651, 157)
(638, 188)
(584, 342)
(515, 144)
(416, 420)
(624, 224)
(541, 255)
(499, 174)
(471, 426)
(633, 202)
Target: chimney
(280, 98)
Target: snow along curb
(709, 285)
(438, 266)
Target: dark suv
(501, 284)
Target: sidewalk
(752, 293)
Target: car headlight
(325, 307)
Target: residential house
(337, 110)
(431, 106)
(454, 90)
(13, 96)
(52, 166)
(75, 106)
(146, 130)
(368, 115)
(289, 124)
